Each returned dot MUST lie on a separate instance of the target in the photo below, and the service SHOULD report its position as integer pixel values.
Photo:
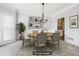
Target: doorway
(60, 27)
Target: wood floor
(14, 49)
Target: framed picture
(36, 20)
(74, 21)
(37, 25)
(30, 25)
(31, 18)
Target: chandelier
(43, 18)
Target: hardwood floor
(14, 49)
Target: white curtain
(8, 27)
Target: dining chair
(26, 41)
(41, 40)
(55, 40)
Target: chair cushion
(40, 45)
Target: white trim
(7, 42)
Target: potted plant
(21, 29)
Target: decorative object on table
(73, 21)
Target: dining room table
(33, 36)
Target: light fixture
(43, 18)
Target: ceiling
(35, 9)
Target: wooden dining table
(34, 35)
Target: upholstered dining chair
(26, 41)
(41, 40)
(55, 39)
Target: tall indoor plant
(21, 29)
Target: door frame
(59, 28)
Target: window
(7, 27)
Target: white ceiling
(35, 9)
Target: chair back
(55, 37)
(41, 38)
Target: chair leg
(53, 47)
(56, 47)
(59, 46)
